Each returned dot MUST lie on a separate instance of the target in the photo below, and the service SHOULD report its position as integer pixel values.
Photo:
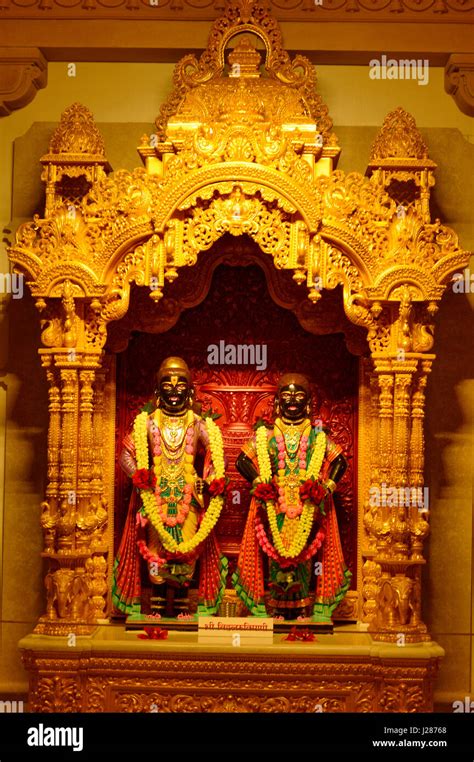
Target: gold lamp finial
(245, 60)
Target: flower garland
(184, 506)
(270, 551)
(307, 512)
(292, 511)
(146, 553)
(150, 507)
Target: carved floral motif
(248, 684)
(399, 137)
(436, 11)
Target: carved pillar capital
(459, 81)
(23, 71)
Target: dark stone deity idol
(174, 509)
(291, 542)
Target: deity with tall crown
(175, 459)
(291, 540)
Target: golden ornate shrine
(244, 145)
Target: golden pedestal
(114, 671)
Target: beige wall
(125, 100)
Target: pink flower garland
(152, 558)
(270, 551)
(146, 553)
(291, 511)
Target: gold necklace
(173, 433)
(292, 433)
(282, 424)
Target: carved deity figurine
(173, 510)
(291, 539)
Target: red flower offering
(303, 635)
(144, 478)
(264, 492)
(217, 487)
(312, 490)
(318, 493)
(154, 633)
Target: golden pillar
(381, 525)
(68, 462)
(74, 513)
(370, 569)
(50, 506)
(85, 520)
(399, 526)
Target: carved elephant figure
(59, 593)
(80, 607)
(402, 587)
(386, 605)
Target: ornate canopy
(244, 144)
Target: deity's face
(174, 391)
(293, 400)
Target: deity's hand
(201, 486)
(330, 486)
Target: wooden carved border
(434, 11)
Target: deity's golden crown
(294, 378)
(173, 366)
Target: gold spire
(77, 133)
(244, 60)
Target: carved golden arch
(303, 235)
(255, 154)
